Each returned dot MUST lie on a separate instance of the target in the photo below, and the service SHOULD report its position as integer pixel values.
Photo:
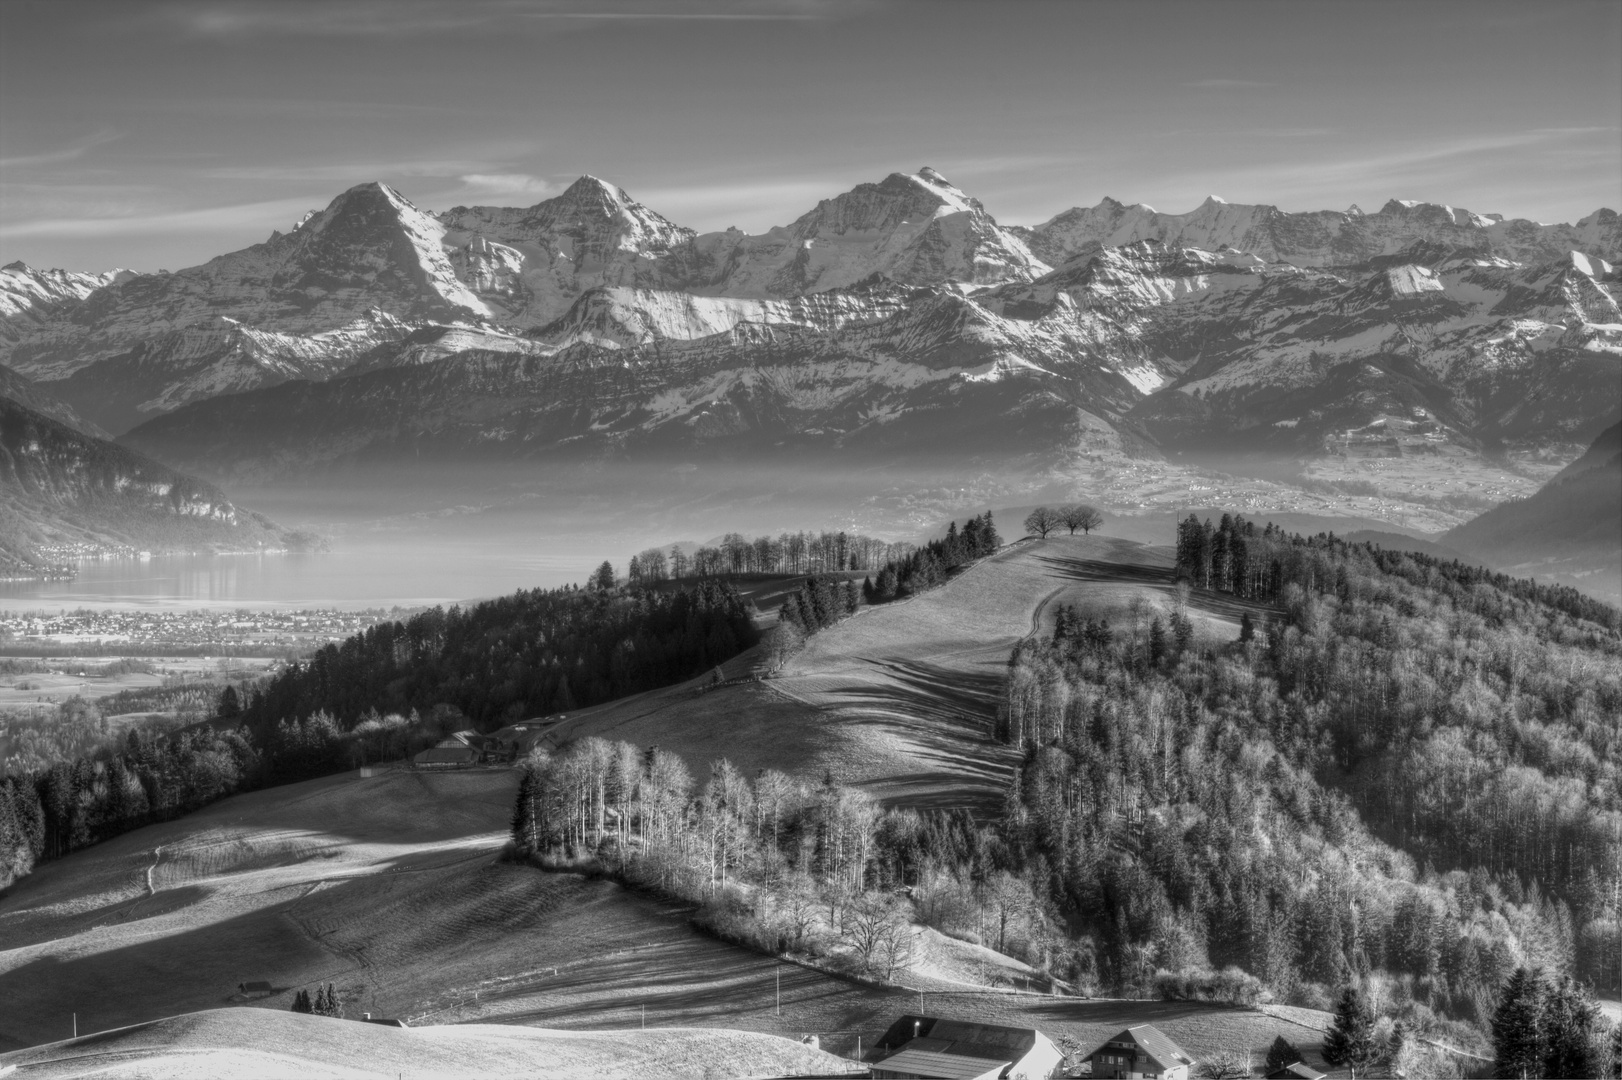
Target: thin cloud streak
(1229, 84)
(71, 152)
(405, 18)
(275, 213)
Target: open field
(901, 698)
(388, 887)
(232, 1042)
(70, 676)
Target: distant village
(143, 632)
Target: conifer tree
(1517, 1026)
(523, 824)
(301, 1002)
(1247, 628)
(1569, 1019)
(1350, 1041)
(1281, 1054)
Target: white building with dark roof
(1141, 1052)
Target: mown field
(901, 698)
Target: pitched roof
(1298, 1071)
(957, 1038)
(446, 755)
(940, 1065)
(1154, 1043)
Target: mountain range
(896, 321)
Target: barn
(453, 750)
(927, 1046)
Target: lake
(403, 571)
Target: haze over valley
(729, 538)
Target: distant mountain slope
(1320, 237)
(28, 393)
(29, 298)
(1142, 345)
(62, 489)
(1570, 530)
(1237, 328)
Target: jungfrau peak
(915, 229)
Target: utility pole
(779, 970)
(75, 1025)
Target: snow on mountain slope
(369, 249)
(1321, 237)
(531, 264)
(1475, 349)
(617, 317)
(917, 229)
(208, 358)
(28, 297)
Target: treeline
(927, 567)
(786, 553)
(776, 863)
(68, 806)
(1400, 779)
(437, 672)
(1235, 557)
(538, 651)
(32, 741)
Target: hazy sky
(160, 134)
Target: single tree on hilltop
(1081, 516)
(603, 578)
(1042, 520)
(1350, 1041)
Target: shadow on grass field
(388, 887)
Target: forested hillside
(386, 692)
(1403, 766)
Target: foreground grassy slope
(901, 698)
(236, 1042)
(388, 887)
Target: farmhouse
(1298, 1071)
(1141, 1052)
(926, 1046)
(256, 987)
(459, 748)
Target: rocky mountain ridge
(1275, 330)
(1321, 238)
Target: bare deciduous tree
(1042, 520)
(1081, 516)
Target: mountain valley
(1415, 366)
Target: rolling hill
(1569, 531)
(388, 885)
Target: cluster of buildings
(238, 631)
(930, 1048)
(512, 742)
